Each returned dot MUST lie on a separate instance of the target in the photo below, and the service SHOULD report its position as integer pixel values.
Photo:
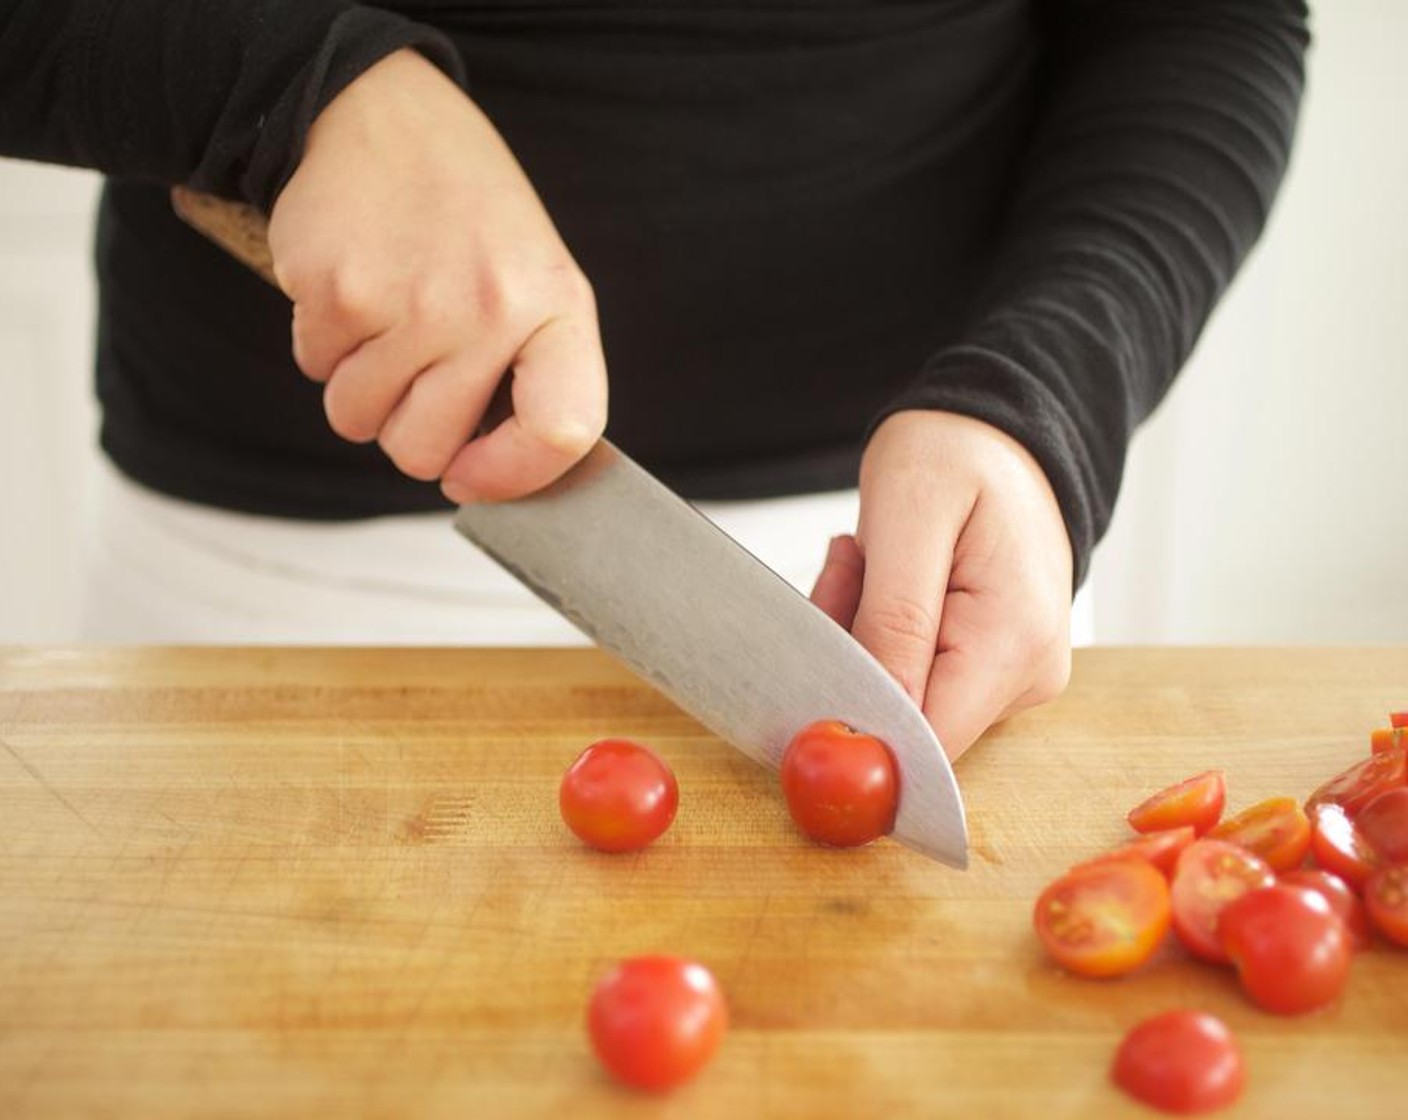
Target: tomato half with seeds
(1386, 899)
(1276, 829)
(1291, 950)
(1354, 788)
(1198, 802)
(1341, 897)
(1209, 876)
(841, 785)
(1161, 849)
(1105, 919)
(1181, 1062)
(1384, 824)
(618, 796)
(656, 1021)
(1339, 846)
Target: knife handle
(237, 227)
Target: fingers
(437, 415)
(559, 412)
(837, 588)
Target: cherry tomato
(1105, 919)
(1210, 875)
(1362, 782)
(1384, 824)
(841, 785)
(618, 796)
(1398, 719)
(1158, 848)
(1276, 829)
(1341, 897)
(1384, 739)
(1197, 802)
(1291, 950)
(1181, 1061)
(656, 1021)
(1340, 847)
(1386, 898)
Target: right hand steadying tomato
(423, 267)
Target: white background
(1267, 501)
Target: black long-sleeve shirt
(799, 216)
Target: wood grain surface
(300, 883)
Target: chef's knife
(654, 582)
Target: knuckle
(572, 288)
(350, 295)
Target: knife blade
(651, 580)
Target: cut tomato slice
(1384, 824)
(1361, 783)
(1210, 874)
(1161, 849)
(1386, 898)
(1276, 829)
(1340, 847)
(1104, 920)
(1197, 802)
(1398, 719)
(1384, 739)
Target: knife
(655, 583)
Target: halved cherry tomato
(1340, 847)
(1181, 1061)
(618, 796)
(1210, 875)
(1384, 739)
(1158, 848)
(1291, 950)
(1341, 897)
(1398, 719)
(1386, 898)
(1384, 824)
(1104, 920)
(1197, 802)
(656, 1021)
(1276, 829)
(841, 785)
(1362, 782)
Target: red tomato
(1386, 898)
(656, 1021)
(1105, 919)
(1158, 848)
(1341, 897)
(1340, 847)
(1384, 739)
(841, 785)
(1384, 824)
(618, 796)
(1398, 719)
(1276, 830)
(1210, 875)
(1362, 782)
(1197, 802)
(1291, 950)
(1181, 1061)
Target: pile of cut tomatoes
(1284, 893)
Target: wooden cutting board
(286, 883)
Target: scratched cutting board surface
(299, 883)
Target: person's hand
(958, 579)
(422, 267)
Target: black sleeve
(215, 93)
(1162, 131)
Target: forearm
(216, 93)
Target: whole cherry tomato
(1276, 829)
(1197, 802)
(1104, 919)
(1291, 950)
(1361, 783)
(618, 796)
(1386, 898)
(1161, 849)
(1181, 1061)
(1209, 875)
(1384, 824)
(656, 1021)
(841, 786)
(1340, 847)
(1341, 897)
